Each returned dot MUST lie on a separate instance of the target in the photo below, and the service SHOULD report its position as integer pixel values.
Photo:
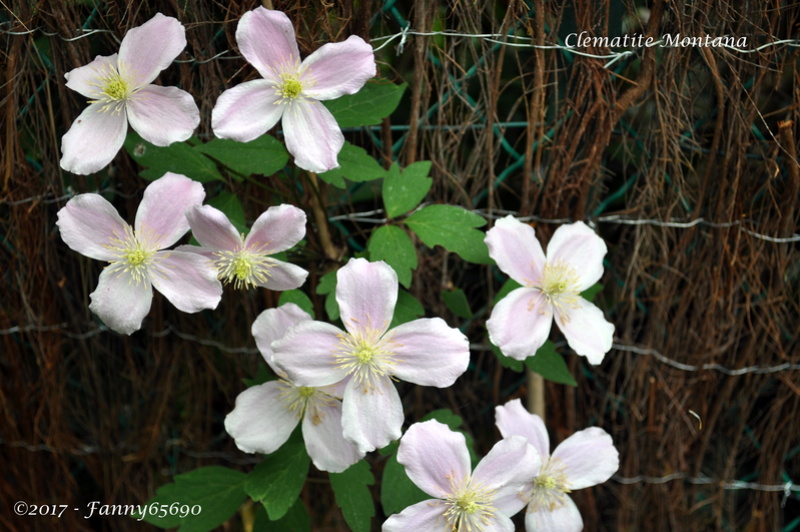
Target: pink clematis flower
(91, 226)
(436, 459)
(426, 352)
(291, 89)
(551, 287)
(265, 415)
(245, 261)
(119, 91)
(586, 458)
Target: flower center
(367, 355)
(558, 283)
(289, 89)
(304, 399)
(469, 506)
(244, 268)
(135, 255)
(550, 487)
(116, 88)
(113, 88)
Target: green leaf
(295, 520)
(456, 301)
(452, 228)
(592, 291)
(218, 491)
(374, 102)
(299, 298)
(230, 205)
(403, 192)
(548, 363)
(277, 481)
(352, 495)
(392, 244)
(264, 155)
(407, 309)
(178, 157)
(356, 165)
(397, 490)
(327, 287)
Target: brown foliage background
(704, 136)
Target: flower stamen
(558, 284)
(244, 268)
(469, 506)
(550, 487)
(366, 355)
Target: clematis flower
(119, 92)
(426, 352)
(437, 461)
(91, 226)
(265, 415)
(551, 287)
(586, 458)
(291, 89)
(245, 261)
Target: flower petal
(160, 219)
(312, 136)
(121, 302)
(277, 229)
(283, 276)
(577, 245)
(88, 223)
(425, 516)
(429, 352)
(305, 354)
(261, 422)
(520, 323)
(564, 519)
(266, 39)
(272, 324)
(512, 419)
(587, 331)
(372, 419)
(366, 293)
(432, 454)
(589, 457)
(163, 115)
(246, 111)
(213, 229)
(86, 79)
(516, 250)
(507, 469)
(93, 140)
(339, 68)
(188, 280)
(324, 441)
(150, 48)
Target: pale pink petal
(213, 229)
(520, 323)
(160, 219)
(94, 139)
(283, 276)
(425, 516)
(266, 39)
(577, 245)
(88, 223)
(500, 523)
(366, 293)
(86, 79)
(587, 331)
(261, 422)
(429, 352)
(432, 454)
(372, 419)
(338, 68)
(564, 519)
(246, 111)
(312, 136)
(163, 115)
(150, 48)
(337, 389)
(513, 420)
(507, 469)
(516, 250)
(277, 229)
(589, 458)
(200, 250)
(306, 354)
(121, 302)
(188, 280)
(272, 324)
(324, 441)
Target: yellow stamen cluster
(304, 399)
(558, 284)
(469, 506)
(367, 355)
(550, 487)
(245, 268)
(114, 89)
(135, 255)
(289, 89)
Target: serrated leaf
(356, 165)
(392, 245)
(218, 491)
(402, 192)
(277, 481)
(407, 309)
(456, 301)
(548, 363)
(230, 205)
(374, 102)
(178, 157)
(295, 520)
(327, 287)
(351, 489)
(264, 155)
(299, 298)
(453, 228)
